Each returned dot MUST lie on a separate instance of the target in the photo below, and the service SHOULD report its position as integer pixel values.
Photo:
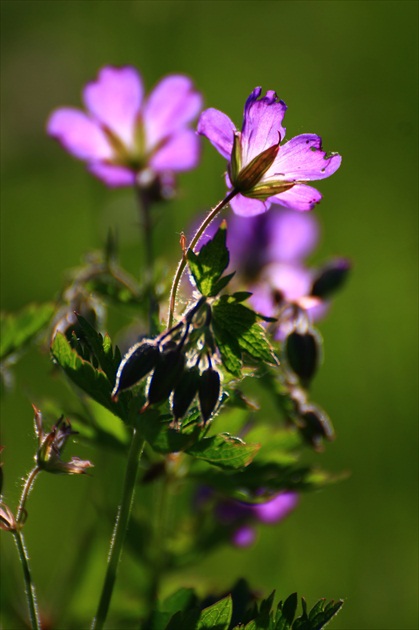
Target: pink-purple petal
(115, 100)
(219, 129)
(292, 235)
(302, 158)
(277, 508)
(79, 134)
(300, 197)
(112, 176)
(179, 153)
(293, 281)
(172, 104)
(262, 123)
(246, 207)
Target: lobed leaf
(217, 616)
(208, 265)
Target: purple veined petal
(277, 508)
(293, 281)
(112, 176)
(244, 536)
(303, 158)
(246, 207)
(262, 123)
(292, 235)
(115, 100)
(172, 104)
(79, 134)
(219, 129)
(180, 153)
(300, 197)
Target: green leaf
(91, 380)
(101, 348)
(18, 329)
(319, 616)
(238, 331)
(217, 616)
(286, 612)
(208, 265)
(182, 599)
(224, 451)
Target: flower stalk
(182, 263)
(29, 585)
(120, 528)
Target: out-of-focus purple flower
(243, 516)
(259, 168)
(128, 139)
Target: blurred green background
(348, 71)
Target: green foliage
(209, 264)
(238, 332)
(19, 329)
(239, 611)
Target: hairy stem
(29, 585)
(120, 528)
(182, 264)
(25, 493)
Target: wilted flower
(127, 139)
(259, 168)
(51, 445)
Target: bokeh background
(347, 70)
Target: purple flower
(126, 138)
(262, 171)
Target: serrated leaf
(162, 437)
(286, 612)
(237, 327)
(208, 265)
(102, 349)
(91, 380)
(224, 451)
(217, 616)
(322, 613)
(229, 350)
(18, 329)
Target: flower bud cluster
(180, 363)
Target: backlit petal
(262, 123)
(115, 100)
(247, 207)
(172, 104)
(79, 134)
(300, 197)
(219, 130)
(302, 158)
(113, 176)
(180, 153)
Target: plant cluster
(190, 394)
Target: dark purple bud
(315, 426)
(185, 391)
(168, 371)
(302, 352)
(330, 278)
(137, 363)
(209, 392)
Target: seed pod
(330, 278)
(168, 371)
(302, 352)
(209, 392)
(185, 391)
(138, 361)
(316, 426)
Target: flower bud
(166, 375)
(209, 392)
(302, 352)
(185, 391)
(330, 278)
(316, 426)
(137, 363)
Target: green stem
(120, 528)
(147, 225)
(25, 492)
(182, 264)
(29, 585)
